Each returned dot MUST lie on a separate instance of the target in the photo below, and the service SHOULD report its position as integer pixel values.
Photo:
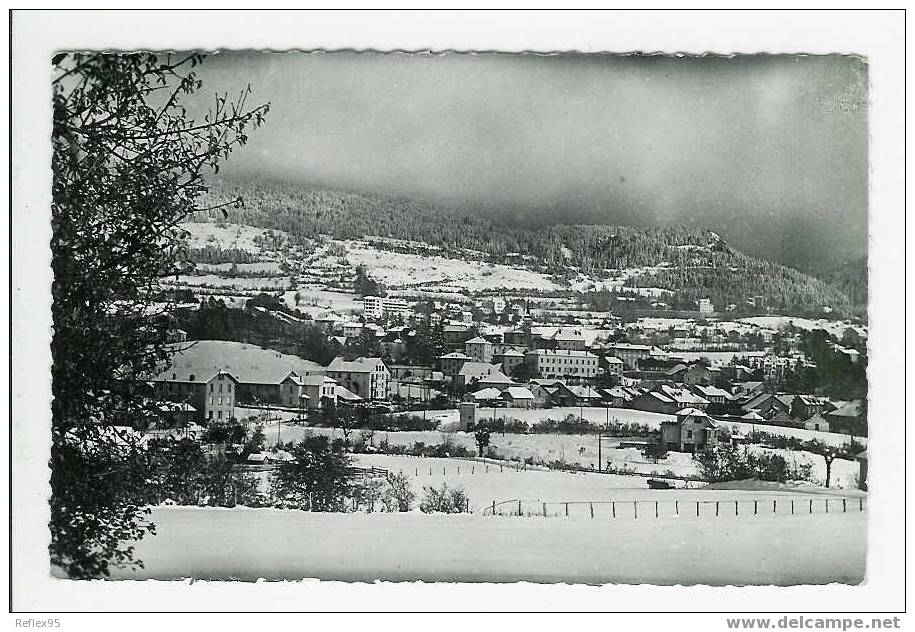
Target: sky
(769, 151)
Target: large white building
(557, 363)
(379, 307)
(705, 306)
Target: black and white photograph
(458, 316)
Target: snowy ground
(577, 449)
(247, 544)
(485, 483)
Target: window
(210, 415)
(689, 434)
(220, 401)
(211, 388)
(211, 400)
(219, 414)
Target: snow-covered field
(574, 449)
(396, 269)
(238, 236)
(836, 328)
(247, 544)
(488, 482)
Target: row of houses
(208, 378)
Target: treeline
(217, 254)
(729, 276)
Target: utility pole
(600, 461)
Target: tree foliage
(128, 165)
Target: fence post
(827, 505)
(736, 507)
(792, 507)
(861, 504)
(519, 507)
(592, 511)
(716, 508)
(417, 472)
(494, 508)
(811, 505)
(843, 506)
(677, 507)
(755, 507)
(443, 471)
(459, 470)
(613, 507)
(774, 508)
(655, 509)
(472, 468)
(500, 468)
(635, 506)
(430, 471)
(697, 508)
(567, 510)
(544, 510)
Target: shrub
(444, 500)
(397, 494)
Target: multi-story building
(556, 363)
(630, 354)
(706, 306)
(479, 349)
(319, 390)
(366, 377)
(378, 307)
(212, 396)
(451, 363)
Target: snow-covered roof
(487, 393)
(691, 412)
(518, 392)
(356, 365)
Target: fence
(668, 508)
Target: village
(701, 381)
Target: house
(612, 365)
(451, 363)
(496, 379)
(319, 390)
(479, 349)
(804, 407)
(668, 399)
(365, 377)
(550, 363)
(817, 422)
(211, 396)
(584, 396)
(691, 431)
(706, 306)
(619, 396)
(485, 395)
(456, 335)
(510, 358)
(630, 354)
(748, 389)
(177, 414)
(543, 395)
(713, 394)
(518, 397)
(568, 340)
(770, 405)
(698, 373)
(472, 372)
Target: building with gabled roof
(692, 430)
(365, 377)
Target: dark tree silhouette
(128, 165)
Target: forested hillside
(692, 261)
